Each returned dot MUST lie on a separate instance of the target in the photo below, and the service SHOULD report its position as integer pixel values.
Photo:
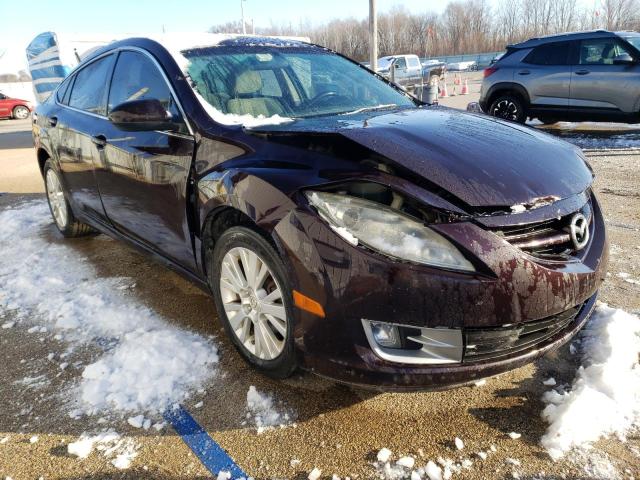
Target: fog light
(386, 335)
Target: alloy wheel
(253, 302)
(21, 112)
(56, 199)
(506, 109)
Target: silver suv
(576, 76)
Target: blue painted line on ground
(212, 455)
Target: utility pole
(244, 27)
(373, 35)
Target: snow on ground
(262, 411)
(603, 142)
(48, 282)
(120, 451)
(605, 396)
(406, 467)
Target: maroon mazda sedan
(341, 226)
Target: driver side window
(136, 77)
(401, 63)
(601, 51)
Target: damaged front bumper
(516, 307)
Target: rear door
(78, 125)
(598, 83)
(546, 74)
(143, 175)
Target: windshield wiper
(368, 109)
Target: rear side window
(549, 54)
(90, 88)
(63, 89)
(136, 77)
(414, 62)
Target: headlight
(386, 231)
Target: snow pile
(605, 395)
(247, 121)
(261, 410)
(131, 378)
(147, 364)
(121, 451)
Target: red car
(14, 107)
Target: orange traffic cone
(443, 90)
(456, 79)
(465, 88)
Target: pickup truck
(404, 70)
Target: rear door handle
(53, 121)
(100, 141)
(524, 72)
(582, 72)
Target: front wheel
(254, 300)
(60, 210)
(508, 107)
(21, 112)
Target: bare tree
(465, 26)
(619, 14)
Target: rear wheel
(60, 211)
(508, 107)
(20, 112)
(253, 299)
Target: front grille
(496, 342)
(549, 239)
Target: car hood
(481, 160)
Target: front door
(5, 107)
(597, 82)
(400, 72)
(143, 175)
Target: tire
(508, 107)
(59, 207)
(275, 357)
(21, 112)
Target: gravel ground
(336, 429)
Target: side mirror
(623, 59)
(141, 116)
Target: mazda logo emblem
(579, 231)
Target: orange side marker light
(307, 304)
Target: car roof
(534, 42)
(178, 43)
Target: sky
(24, 19)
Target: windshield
(289, 82)
(635, 41)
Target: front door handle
(524, 72)
(582, 72)
(100, 141)
(53, 121)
